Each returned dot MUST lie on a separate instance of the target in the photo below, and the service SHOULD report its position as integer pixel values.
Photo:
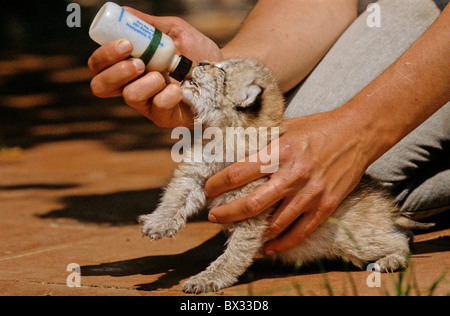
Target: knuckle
(177, 22)
(276, 228)
(179, 30)
(277, 187)
(286, 147)
(327, 207)
(156, 77)
(156, 80)
(131, 97)
(317, 187)
(233, 177)
(300, 236)
(92, 64)
(252, 206)
(300, 172)
(98, 88)
(108, 53)
(100, 59)
(125, 69)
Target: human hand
(320, 162)
(154, 95)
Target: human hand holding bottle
(153, 94)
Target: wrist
(374, 135)
(230, 51)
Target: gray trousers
(417, 169)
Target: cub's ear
(251, 96)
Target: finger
(111, 81)
(255, 203)
(166, 111)
(232, 177)
(138, 93)
(283, 216)
(291, 209)
(109, 54)
(302, 229)
(187, 116)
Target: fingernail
(124, 47)
(269, 252)
(212, 218)
(139, 64)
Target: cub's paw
(198, 284)
(158, 227)
(392, 262)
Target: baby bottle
(155, 48)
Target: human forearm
(406, 94)
(291, 36)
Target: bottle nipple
(181, 68)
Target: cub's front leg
(184, 196)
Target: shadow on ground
(119, 208)
(175, 268)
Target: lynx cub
(242, 93)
